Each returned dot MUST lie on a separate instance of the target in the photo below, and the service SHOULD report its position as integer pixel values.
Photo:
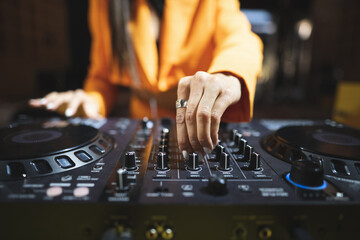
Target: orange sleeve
(97, 82)
(238, 52)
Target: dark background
(44, 46)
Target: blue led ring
(321, 187)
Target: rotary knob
(219, 149)
(224, 163)
(306, 173)
(193, 162)
(248, 152)
(237, 139)
(254, 162)
(232, 135)
(241, 145)
(162, 161)
(217, 185)
(130, 161)
(122, 180)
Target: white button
(81, 192)
(54, 191)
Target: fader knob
(162, 161)
(217, 185)
(307, 173)
(122, 180)
(224, 163)
(130, 161)
(193, 162)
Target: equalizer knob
(232, 135)
(193, 162)
(254, 162)
(237, 139)
(217, 185)
(219, 149)
(162, 161)
(241, 146)
(248, 152)
(122, 180)
(224, 163)
(130, 161)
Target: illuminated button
(41, 166)
(81, 192)
(54, 191)
(96, 149)
(64, 162)
(83, 156)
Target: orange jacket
(196, 35)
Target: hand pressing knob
(193, 162)
(224, 163)
(162, 161)
(130, 161)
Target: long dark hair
(120, 13)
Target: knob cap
(217, 185)
(193, 162)
(241, 145)
(307, 173)
(224, 163)
(232, 135)
(122, 180)
(248, 152)
(219, 149)
(130, 161)
(162, 161)
(254, 162)
(237, 139)
(165, 133)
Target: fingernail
(69, 112)
(207, 150)
(50, 106)
(185, 154)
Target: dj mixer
(122, 178)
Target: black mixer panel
(127, 179)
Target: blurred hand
(208, 95)
(70, 103)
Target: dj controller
(127, 179)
